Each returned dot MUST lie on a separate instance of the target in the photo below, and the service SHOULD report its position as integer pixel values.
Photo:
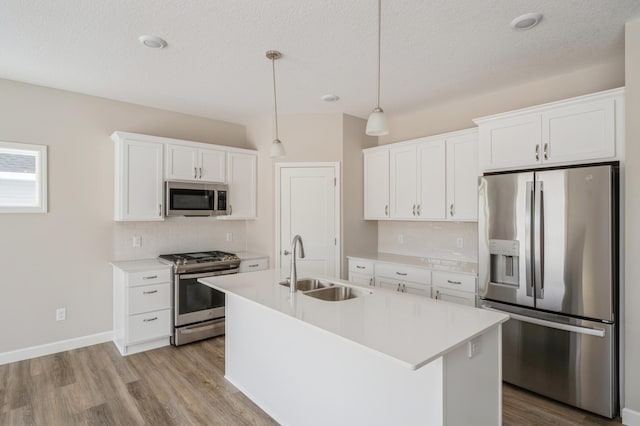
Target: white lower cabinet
(456, 288)
(254, 264)
(141, 305)
(448, 286)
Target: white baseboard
(55, 347)
(630, 417)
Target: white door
(308, 207)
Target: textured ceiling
(214, 65)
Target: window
(23, 178)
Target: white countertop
(423, 262)
(139, 265)
(411, 330)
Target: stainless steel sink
(336, 293)
(309, 284)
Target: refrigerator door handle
(598, 332)
(538, 240)
(528, 239)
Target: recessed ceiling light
(526, 21)
(330, 98)
(152, 41)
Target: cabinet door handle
(418, 209)
(537, 152)
(195, 173)
(437, 294)
(150, 292)
(404, 274)
(160, 210)
(545, 151)
(454, 282)
(386, 210)
(398, 289)
(360, 267)
(404, 288)
(150, 319)
(150, 277)
(370, 281)
(451, 210)
(414, 210)
(200, 172)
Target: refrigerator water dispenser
(504, 262)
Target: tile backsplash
(177, 235)
(429, 239)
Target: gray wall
(60, 259)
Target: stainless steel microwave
(196, 199)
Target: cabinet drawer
(361, 266)
(149, 326)
(149, 298)
(404, 273)
(453, 281)
(254, 265)
(460, 297)
(404, 286)
(154, 276)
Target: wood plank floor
(175, 386)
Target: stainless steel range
(198, 310)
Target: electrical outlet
(61, 314)
(460, 242)
(229, 236)
(474, 347)
(400, 238)
(137, 241)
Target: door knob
(286, 252)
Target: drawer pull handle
(255, 265)
(404, 274)
(150, 292)
(454, 282)
(360, 267)
(150, 277)
(150, 319)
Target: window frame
(41, 176)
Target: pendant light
(377, 122)
(277, 150)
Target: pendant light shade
(277, 149)
(377, 123)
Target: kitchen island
(378, 359)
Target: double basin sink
(326, 290)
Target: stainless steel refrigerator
(548, 243)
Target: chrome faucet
(293, 283)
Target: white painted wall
(631, 413)
(60, 259)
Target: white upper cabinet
(242, 181)
(138, 179)
(462, 178)
(584, 131)
(403, 180)
(184, 162)
(376, 184)
(573, 131)
(432, 178)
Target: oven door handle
(201, 275)
(192, 330)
